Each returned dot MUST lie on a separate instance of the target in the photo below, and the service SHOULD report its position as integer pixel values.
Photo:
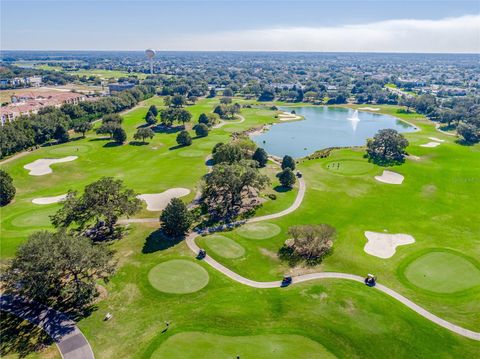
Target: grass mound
(349, 167)
(224, 246)
(205, 345)
(259, 230)
(178, 276)
(443, 272)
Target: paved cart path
(70, 341)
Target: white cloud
(460, 34)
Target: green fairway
(224, 246)
(178, 277)
(204, 345)
(259, 230)
(443, 272)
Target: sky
(241, 25)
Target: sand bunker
(158, 201)
(413, 157)
(430, 144)
(49, 200)
(384, 245)
(42, 166)
(287, 116)
(390, 177)
(436, 139)
(369, 108)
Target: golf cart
(299, 174)
(371, 280)
(202, 253)
(286, 281)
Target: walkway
(70, 341)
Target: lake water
(324, 127)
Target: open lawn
(437, 204)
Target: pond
(324, 127)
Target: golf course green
(206, 345)
(442, 271)
(224, 246)
(178, 277)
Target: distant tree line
(52, 124)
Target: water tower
(150, 55)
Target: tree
(143, 133)
(287, 178)
(232, 188)
(261, 156)
(184, 116)
(470, 133)
(225, 100)
(58, 268)
(102, 203)
(288, 162)
(387, 147)
(108, 129)
(178, 101)
(153, 110)
(61, 134)
(175, 218)
(228, 93)
(227, 153)
(201, 130)
(167, 101)
(267, 95)
(311, 242)
(7, 189)
(119, 135)
(150, 118)
(82, 127)
(184, 139)
(212, 93)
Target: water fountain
(354, 120)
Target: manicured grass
(224, 246)
(204, 345)
(151, 168)
(443, 272)
(437, 204)
(178, 277)
(260, 230)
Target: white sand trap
(390, 177)
(287, 116)
(384, 245)
(369, 108)
(158, 201)
(49, 200)
(413, 157)
(436, 139)
(431, 144)
(42, 166)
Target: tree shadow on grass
(112, 144)
(176, 147)
(21, 337)
(282, 189)
(210, 162)
(138, 143)
(99, 139)
(463, 142)
(158, 241)
(167, 129)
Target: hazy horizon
(388, 26)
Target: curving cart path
(70, 341)
(190, 241)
